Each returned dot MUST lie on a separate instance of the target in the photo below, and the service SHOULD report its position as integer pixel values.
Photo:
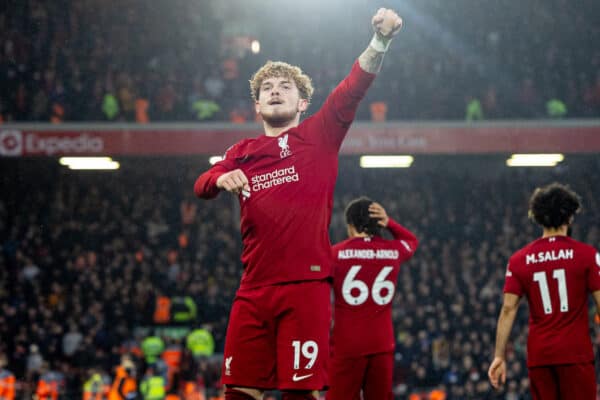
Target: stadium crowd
(85, 256)
(94, 60)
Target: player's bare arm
(386, 24)
(497, 371)
(233, 181)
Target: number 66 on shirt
(382, 291)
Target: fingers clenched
(233, 181)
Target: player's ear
(302, 105)
(257, 107)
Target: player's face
(279, 101)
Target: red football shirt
(364, 279)
(556, 274)
(285, 217)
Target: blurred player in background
(365, 272)
(555, 273)
(279, 323)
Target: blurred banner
(574, 136)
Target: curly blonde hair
(277, 69)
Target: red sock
(232, 394)
(297, 395)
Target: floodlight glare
(89, 163)
(403, 161)
(255, 47)
(534, 160)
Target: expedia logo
(17, 143)
(51, 145)
(11, 143)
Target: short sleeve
(512, 284)
(594, 273)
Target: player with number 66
(365, 271)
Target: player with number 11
(556, 274)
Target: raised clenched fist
(386, 22)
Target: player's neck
(353, 233)
(273, 131)
(360, 235)
(560, 231)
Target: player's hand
(378, 212)
(497, 372)
(386, 23)
(233, 181)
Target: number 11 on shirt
(560, 276)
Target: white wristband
(380, 44)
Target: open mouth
(275, 102)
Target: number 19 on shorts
(306, 351)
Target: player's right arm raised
(219, 178)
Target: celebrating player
(555, 273)
(279, 323)
(365, 271)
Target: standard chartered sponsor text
(274, 178)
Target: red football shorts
(557, 382)
(278, 337)
(372, 374)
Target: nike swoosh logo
(296, 378)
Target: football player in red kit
(365, 272)
(556, 274)
(278, 329)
